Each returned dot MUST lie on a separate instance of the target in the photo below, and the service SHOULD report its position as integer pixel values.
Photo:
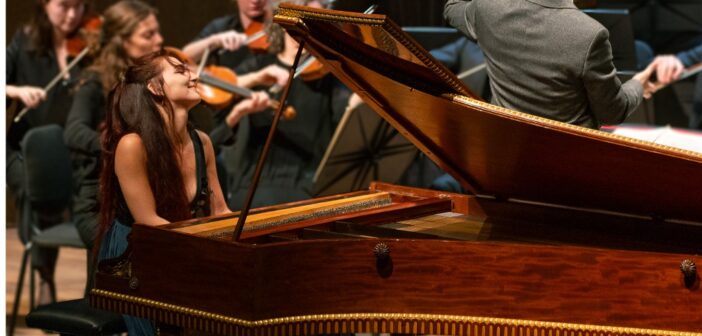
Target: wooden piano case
(567, 231)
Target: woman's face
(145, 39)
(65, 15)
(252, 8)
(179, 84)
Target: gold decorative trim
(361, 322)
(446, 76)
(578, 129)
(288, 13)
(294, 13)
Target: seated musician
(156, 169)
(545, 57)
(131, 30)
(226, 39)
(226, 34)
(299, 144)
(670, 68)
(38, 52)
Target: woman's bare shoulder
(130, 145)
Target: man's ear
(155, 90)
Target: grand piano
(564, 231)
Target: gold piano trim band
(578, 129)
(350, 323)
(329, 17)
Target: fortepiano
(565, 230)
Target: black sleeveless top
(200, 205)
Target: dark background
(667, 25)
(181, 20)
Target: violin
(311, 69)
(87, 35)
(217, 86)
(256, 38)
(78, 46)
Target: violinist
(37, 53)
(299, 144)
(130, 30)
(226, 38)
(227, 34)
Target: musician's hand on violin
(230, 40)
(258, 102)
(273, 75)
(30, 96)
(669, 68)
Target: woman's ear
(155, 89)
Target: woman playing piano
(156, 169)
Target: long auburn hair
(40, 31)
(133, 108)
(119, 22)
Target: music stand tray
(364, 148)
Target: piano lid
(491, 150)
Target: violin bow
(55, 80)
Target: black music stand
(364, 148)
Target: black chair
(49, 188)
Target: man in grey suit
(669, 68)
(547, 58)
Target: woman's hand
(229, 40)
(270, 75)
(668, 68)
(273, 75)
(30, 96)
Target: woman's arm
(132, 174)
(31, 96)
(217, 202)
(229, 40)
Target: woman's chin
(193, 102)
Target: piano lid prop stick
(262, 159)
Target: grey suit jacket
(546, 57)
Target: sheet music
(665, 135)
